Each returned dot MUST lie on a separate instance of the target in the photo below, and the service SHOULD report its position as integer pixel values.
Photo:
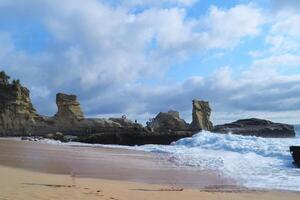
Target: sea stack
(68, 108)
(201, 116)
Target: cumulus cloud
(288, 24)
(226, 28)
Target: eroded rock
(169, 121)
(68, 108)
(201, 116)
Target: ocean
(257, 163)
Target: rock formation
(169, 121)
(201, 116)
(124, 122)
(68, 108)
(19, 118)
(256, 127)
(17, 113)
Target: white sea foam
(254, 162)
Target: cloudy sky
(139, 57)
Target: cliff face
(17, 113)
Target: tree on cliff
(16, 82)
(3, 75)
(4, 78)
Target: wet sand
(105, 163)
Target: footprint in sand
(97, 193)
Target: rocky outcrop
(68, 108)
(256, 127)
(17, 113)
(124, 122)
(201, 116)
(169, 121)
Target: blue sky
(139, 57)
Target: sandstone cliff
(17, 114)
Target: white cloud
(226, 28)
(284, 32)
(288, 25)
(158, 3)
(281, 44)
(280, 61)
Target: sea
(254, 162)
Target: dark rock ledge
(256, 127)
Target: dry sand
(17, 184)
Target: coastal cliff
(17, 114)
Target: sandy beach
(104, 163)
(39, 171)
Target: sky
(140, 57)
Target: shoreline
(106, 163)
